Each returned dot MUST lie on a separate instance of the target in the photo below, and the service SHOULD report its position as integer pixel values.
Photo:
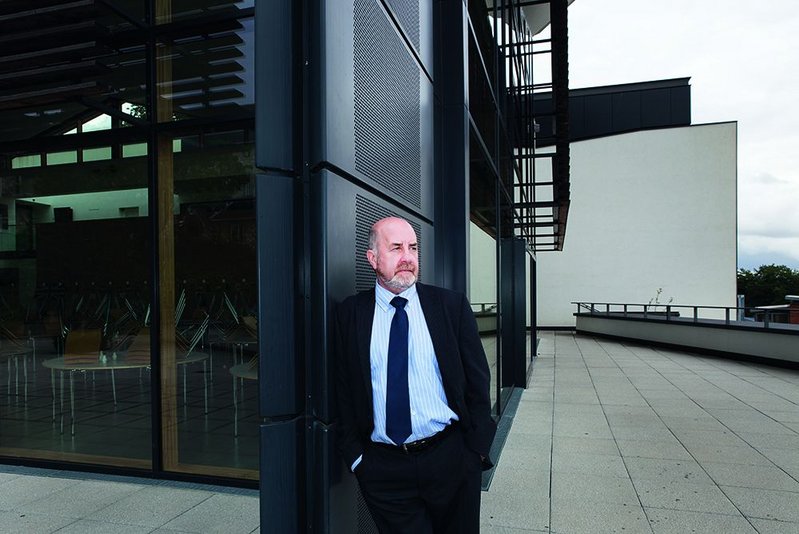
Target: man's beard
(401, 281)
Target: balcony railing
(728, 315)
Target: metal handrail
(670, 311)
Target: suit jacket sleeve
(348, 441)
(480, 435)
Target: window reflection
(77, 153)
(75, 296)
(483, 296)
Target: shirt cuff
(356, 462)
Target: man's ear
(372, 258)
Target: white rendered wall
(651, 209)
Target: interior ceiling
(67, 61)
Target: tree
(768, 284)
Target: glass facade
(128, 291)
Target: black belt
(419, 444)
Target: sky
(743, 60)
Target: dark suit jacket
(461, 360)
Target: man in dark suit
(414, 413)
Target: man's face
(395, 259)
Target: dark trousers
(436, 490)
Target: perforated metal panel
(366, 213)
(407, 13)
(387, 107)
(366, 524)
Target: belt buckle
(404, 447)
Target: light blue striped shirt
(429, 410)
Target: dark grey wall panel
(513, 285)
(280, 453)
(415, 18)
(375, 104)
(276, 310)
(274, 86)
(610, 110)
(341, 505)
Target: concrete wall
(651, 209)
(751, 341)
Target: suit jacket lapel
(365, 314)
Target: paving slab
(765, 504)
(671, 449)
(585, 517)
(751, 476)
(219, 514)
(680, 495)
(666, 470)
(665, 521)
(568, 487)
(151, 506)
(766, 526)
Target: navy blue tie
(398, 404)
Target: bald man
(414, 413)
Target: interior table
(111, 365)
(13, 352)
(242, 371)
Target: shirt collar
(383, 296)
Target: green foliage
(768, 284)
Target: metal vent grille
(387, 109)
(366, 524)
(407, 13)
(366, 213)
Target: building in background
(654, 198)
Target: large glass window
(206, 175)
(98, 153)
(74, 314)
(210, 367)
(483, 297)
(75, 254)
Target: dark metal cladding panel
(407, 13)
(341, 504)
(277, 380)
(655, 108)
(376, 105)
(280, 456)
(415, 18)
(514, 312)
(387, 105)
(274, 87)
(626, 111)
(681, 105)
(598, 115)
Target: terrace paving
(617, 437)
